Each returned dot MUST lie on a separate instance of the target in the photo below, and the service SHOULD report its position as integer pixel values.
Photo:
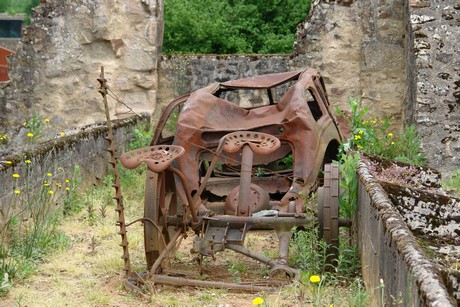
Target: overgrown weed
(31, 230)
(373, 135)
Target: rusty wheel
(158, 201)
(328, 210)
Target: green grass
(452, 183)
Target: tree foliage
(18, 6)
(232, 26)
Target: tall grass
(36, 206)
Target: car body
(291, 106)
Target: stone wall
(181, 74)
(54, 72)
(400, 56)
(435, 61)
(9, 43)
(358, 47)
(395, 269)
(86, 148)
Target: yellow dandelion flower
(67, 189)
(30, 134)
(51, 192)
(392, 143)
(24, 124)
(17, 192)
(390, 134)
(357, 137)
(58, 185)
(46, 184)
(67, 180)
(315, 278)
(47, 120)
(16, 176)
(62, 133)
(9, 162)
(28, 161)
(258, 301)
(49, 174)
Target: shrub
(374, 136)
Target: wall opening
(232, 26)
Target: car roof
(263, 81)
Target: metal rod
(259, 221)
(180, 281)
(205, 179)
(243, 206)
(284, 238)
(163, 254)
(187, 193)
(251, 254)
(116, 184)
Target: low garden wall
(55, 160)
(395, 269)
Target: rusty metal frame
(206, 125)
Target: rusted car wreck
(245, 154)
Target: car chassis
(223, 172)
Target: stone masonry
(358, 47)
(59, 59)
(400, 56)
(435, 36)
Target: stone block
(145, 81)
(140, 59)
(419, 3)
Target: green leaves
(379, 136)
(18, 6)
(232, 26)
(349, 184)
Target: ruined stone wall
(435, 36)
(358, 47)
(54, 72)
(85, 148)
(400, 56)
(181, 74)
(392, 261)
